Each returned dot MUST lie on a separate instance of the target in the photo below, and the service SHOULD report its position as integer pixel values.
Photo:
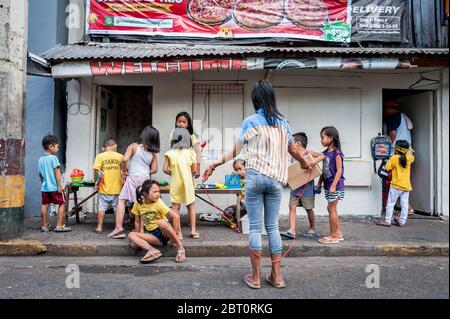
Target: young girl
(139, 163)
(333, 179)
(400, 165)
(154, 229)
(184, 120)
(180, 165)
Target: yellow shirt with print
(151, 213)
(110, 163)
(401, 177)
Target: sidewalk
(423, 236)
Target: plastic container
(233, 181)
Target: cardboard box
(298, 177)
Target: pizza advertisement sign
(325, 20)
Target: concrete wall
(13, 39)
(443, 172)
(46, 108)
(168, 101)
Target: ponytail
(402, 147)
(403, 160)
(139, 195)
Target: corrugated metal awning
(134, 51)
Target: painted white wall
(443, 192)
(173, 93)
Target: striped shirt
(267, 146)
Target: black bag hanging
(383, 173)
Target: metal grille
(222, 88)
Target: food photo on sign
(326, 20)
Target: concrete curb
(239, 249)
(228, 249)
(22, 248)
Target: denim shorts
(158, 234)
(106, 202)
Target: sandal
(397, 222)
(247, 280)
(63, 229)
(281, 285)
(195, 235)
(98, 231)
(383, 223)
(118, 235)
(310, 234)
(288, 234)
(150, 257)
(328, 240)
(46, 229)
(181, 256)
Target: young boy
(51, 189)
(303, 196)
(109, 163)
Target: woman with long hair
(267, 135)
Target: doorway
(419, 108)
(122, 113)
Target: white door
(107, 104)
(419, 108)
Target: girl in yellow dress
(180, 164)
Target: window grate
(229, 88)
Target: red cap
(391, 104)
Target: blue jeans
(263, 199)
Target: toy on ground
(212, 217)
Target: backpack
(381, 147)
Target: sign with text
(379, 20)
(326, 20)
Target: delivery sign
(327, 20)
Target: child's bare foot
(181, 256)
(383, 223)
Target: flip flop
(119, 235)
(281, 285)
(397, 222)
(288, 234)
(312, 235)
(195, 235)
(327, 241)
(250, 284)
(383, 223)
(150, 257)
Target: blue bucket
(233, 181)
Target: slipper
(119, 235)
(98, 231)
(327, 240)
(383, 223)
(309, 234)
(397, 222)
(281, 285)
(288, 234)
(150, 257)
(46, 229)
(195, 235)
(250, 284)
(341, 238)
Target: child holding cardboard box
(304, 195)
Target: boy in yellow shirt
(109, 163)
(400, 165)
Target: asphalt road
(320, 277)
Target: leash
(234, 226)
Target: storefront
(114, 90)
